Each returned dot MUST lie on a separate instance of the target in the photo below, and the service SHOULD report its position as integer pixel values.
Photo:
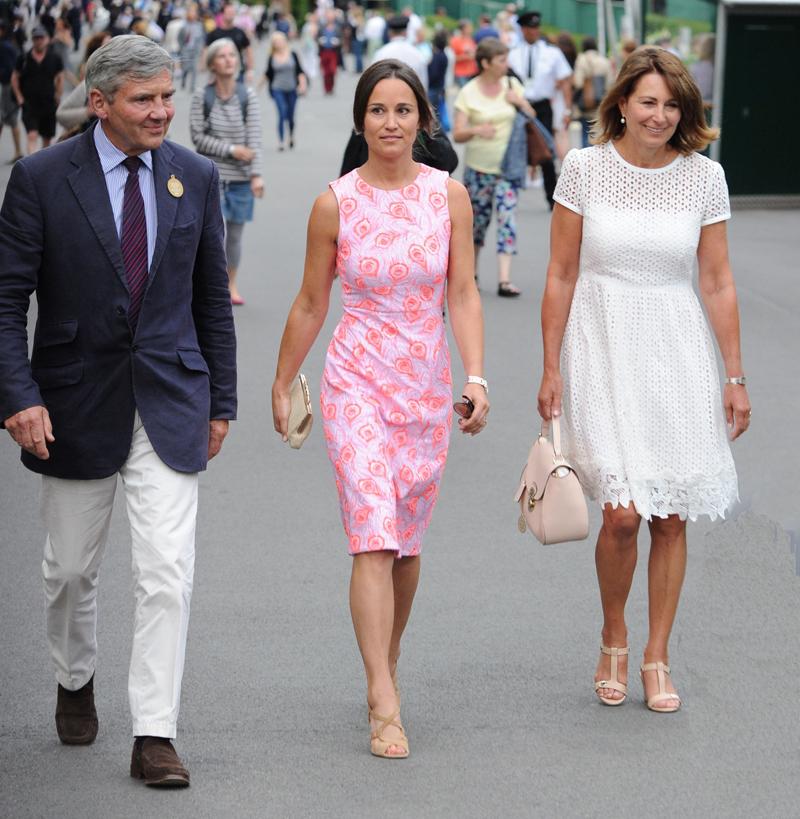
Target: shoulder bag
(550, 496)
(539, 149)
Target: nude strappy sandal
(663, 702)
(613, 682)
(378, 745)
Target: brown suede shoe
(156, 761)
(76, 718)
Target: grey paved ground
(497, 668)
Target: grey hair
(218, 45)
(124, 58)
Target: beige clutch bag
(300, 417)
(550, 495)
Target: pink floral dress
(386, 387)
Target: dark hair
(489, 48)
(94, 42)
(387, 70)
(589, 44)
(567, 45)
(440, 40)
(692, 133)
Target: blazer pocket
(49, 335)
(49, 378)
(193, 360)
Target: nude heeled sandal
(613, 682)
(378, 746)
(671, 702)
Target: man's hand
(32, 430)
(216, 435)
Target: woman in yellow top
(485, 111)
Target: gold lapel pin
(175, 186)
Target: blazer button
(120, 311)
(135, 348)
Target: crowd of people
(327, 40)
(546, 76)
(133, 368)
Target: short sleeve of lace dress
(717, 207)
(569, 189)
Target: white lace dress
(642, 404)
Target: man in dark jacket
(119, 234)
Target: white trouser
(162, 510)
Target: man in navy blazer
(133, 373)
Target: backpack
(210, 95)
(588, 97)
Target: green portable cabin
(757, 72)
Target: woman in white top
(627, 347)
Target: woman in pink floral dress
(399, 235)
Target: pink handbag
(550, 496)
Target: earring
(622, 121)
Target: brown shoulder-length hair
(387, 70)
(692, 133)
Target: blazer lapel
(164, 166)
(89, 185)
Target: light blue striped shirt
(111, 159)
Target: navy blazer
(58, 238)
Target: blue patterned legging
(482, 189)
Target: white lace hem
(660, 497)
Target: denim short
(237, 202)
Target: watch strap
(476, 379)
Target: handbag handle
(518, 110)
(555, 426)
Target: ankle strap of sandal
(659, 666)
(615, 652)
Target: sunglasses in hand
(464, 407)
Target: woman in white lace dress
(627, 348)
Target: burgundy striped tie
(134, 239)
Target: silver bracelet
(736, 379)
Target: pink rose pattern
(386, 387)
